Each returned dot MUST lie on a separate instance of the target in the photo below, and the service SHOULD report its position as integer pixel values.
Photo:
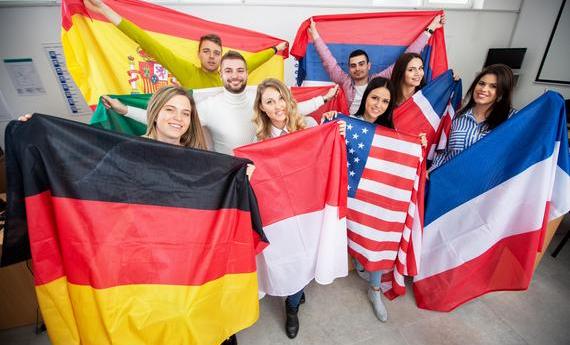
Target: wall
(469, 34)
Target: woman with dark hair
(407, 76)
(489, 103)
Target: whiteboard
(554, 66)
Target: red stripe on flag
(371, 265)
(373, 245)
(373, 222)
(106, 244)
(382, 201)
(394, 156)
(389, 179)
(506, 266)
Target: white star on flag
(360, 145)
(355, 136)
(364, 130)
(356, 160)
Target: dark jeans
(295, 299)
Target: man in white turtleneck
(227, 115)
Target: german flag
(103, 60)
(133, 241)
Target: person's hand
(249, 171)
(329, 115)
(423, 139)
(94, 5)
(25, 117)
(99, 7)
(331, 93)
(437, 22)
(342, 128)
(114, 104)
(313, 30)
(456, 77)
(281, 46)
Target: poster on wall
(73, 98)
(24, 77)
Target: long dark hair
(399, 75)
(503, 104)
(386, 118)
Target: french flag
(487, 209)
(384, 37)
(431, 111)
(301, 190)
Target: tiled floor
(341, 314)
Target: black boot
(231, 340)
(292, 323)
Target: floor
(341, 314)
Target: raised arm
(181, 68)
(259, 58)
(310, 105)
(330, 64)
(418, 45)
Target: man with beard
(227, 116)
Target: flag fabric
(102, 60)
(487, 208)
(338, 102)
(133, 241)
(384, 169)
(300, 182)
(384, 36)
(108, 119)
(430, 111)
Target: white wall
(469, 34)
(533, 29)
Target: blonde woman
(275, 114)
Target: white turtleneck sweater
(228, 117)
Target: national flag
(487, 208)
(383, 35)
(384, 168)
(301, 190)
(133, 241)
(102, 60)
(430, 111)
(108, 119)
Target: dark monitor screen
(512, 57)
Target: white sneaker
(379, 309)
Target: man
(226, 116)
(354, 83)
(187, 74)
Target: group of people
(239, 115)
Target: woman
(489, 104)
(275, 114)
(407, 76)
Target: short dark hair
(386, 118)
(212, 38)
(503, 104)
(358, 52)
(233, 55)
(399, 74)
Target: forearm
(308, 106)
(136, 114)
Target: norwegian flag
(384, 169)
(430, 111)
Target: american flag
(384, 168)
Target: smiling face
(210, 54)
(234, 75)
(414, 73)
(173, 119)
(274, 106)
(358, 68)
(485, 92)
(376, 104)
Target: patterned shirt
(465, 131)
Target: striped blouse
(465, 131)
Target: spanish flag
(133, 241)
(102, 59)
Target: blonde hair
(193, 137)
(294, 121)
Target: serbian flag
(108, 119)
(431, 111)
(301, 190)
(384, 36)
(487, 209)
(102, 60)
(132, 240)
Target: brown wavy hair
(193, 137)
(294, 121)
